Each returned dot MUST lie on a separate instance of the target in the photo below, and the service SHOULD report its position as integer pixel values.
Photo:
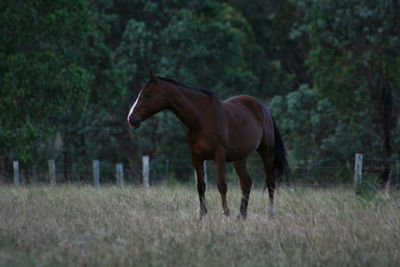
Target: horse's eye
(147, 95)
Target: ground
(110, 226)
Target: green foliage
(351, 60)
(42, 77)
(192, 46)
(74, 68)
(306, 118)
(282, 70)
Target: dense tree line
(71, 69)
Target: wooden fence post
(16, 172)
(146, 172)
(389, 182)
(96, 173)
(52, 172)
(119, 173)
(205, 173)
(358, 169)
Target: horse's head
(149, 101)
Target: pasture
(110, 226)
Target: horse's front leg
(222, 188)
(201, 186)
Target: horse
(224, 131)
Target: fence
(163, 170)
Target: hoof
(203, 212)
(271, 214)
(226, 213)
(241, 217)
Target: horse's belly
(242, 141)
(237, 154)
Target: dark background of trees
(71, 69)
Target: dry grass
(160, 226)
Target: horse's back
(264, 116)
(248, 104)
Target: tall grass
(160, 226)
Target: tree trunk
(130, 154)
(3, 169)
(66, 175)
(133, 166)
(381, 95)
(130, 151)
(386, 118)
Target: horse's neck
(188, 105)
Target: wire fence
(321, 172)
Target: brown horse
(224, 131)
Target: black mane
(185, 86)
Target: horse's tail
(281, 164)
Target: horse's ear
(153, 77)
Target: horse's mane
(185, 86)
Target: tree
(272, 22)
(353, 58)
(42, 78)
(317, 130)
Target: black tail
(281, 165)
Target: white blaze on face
(134, 105)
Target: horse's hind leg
(245, 184)
(267, 158)
(201, 186)
(222, 188)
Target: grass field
(46, 226)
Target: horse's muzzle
(135, 121)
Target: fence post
(96, 173)
(52, 172)
(205, 173)
(388, 183)
(358, 169)
(145, 166)
(119, 173)
(16, 172)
